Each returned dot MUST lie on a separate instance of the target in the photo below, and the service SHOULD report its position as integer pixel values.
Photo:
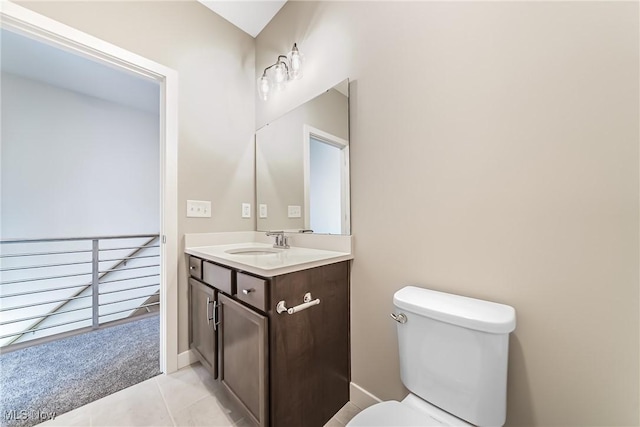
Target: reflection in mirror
(302, 167)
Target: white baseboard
(186, 358)
(361, 397)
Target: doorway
(326, 186)
(37, 27)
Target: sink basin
(253, 251)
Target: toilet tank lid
(466, 312)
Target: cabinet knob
(248, 291)
(191, 267)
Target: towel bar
(281, 307)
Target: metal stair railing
(110, 267)
(148, 306)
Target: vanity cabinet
(285, 369)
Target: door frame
(309, 132)
(33, 25)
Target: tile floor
(189, 397)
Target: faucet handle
(282, 241)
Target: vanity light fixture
(275, 76)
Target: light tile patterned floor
(189, 397)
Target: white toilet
(453, 359)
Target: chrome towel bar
(281, 307)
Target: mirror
(302, 167)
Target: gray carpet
(63, 375)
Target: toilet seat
(411, 412)
(392, 413)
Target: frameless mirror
(302, 167)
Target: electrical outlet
(263, 210)
(294, 211)
(246, 210)
(198, 209)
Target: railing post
(95, 291)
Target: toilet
(453, 359)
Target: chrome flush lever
(400, 318)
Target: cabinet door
(203, 327)
(244, 354)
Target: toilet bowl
(453, 359)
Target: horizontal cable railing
(54, 286)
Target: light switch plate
(294, 211)
(263, 210)
(246, 210)
(198, 209)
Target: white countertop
(268, 265)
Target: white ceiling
(249, 15)
(35, 60)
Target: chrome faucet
(282, 241)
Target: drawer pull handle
(248, 291)
(192, 267)
(281, 307)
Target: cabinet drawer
(252, 290)
(195, 267)
(218, 277)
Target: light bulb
(296, 59)
(279, 73)
(296, 62)
(263, 87)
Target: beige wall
(215, 64)
(494, 153)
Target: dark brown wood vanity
(284, 369)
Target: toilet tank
(454, 352)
